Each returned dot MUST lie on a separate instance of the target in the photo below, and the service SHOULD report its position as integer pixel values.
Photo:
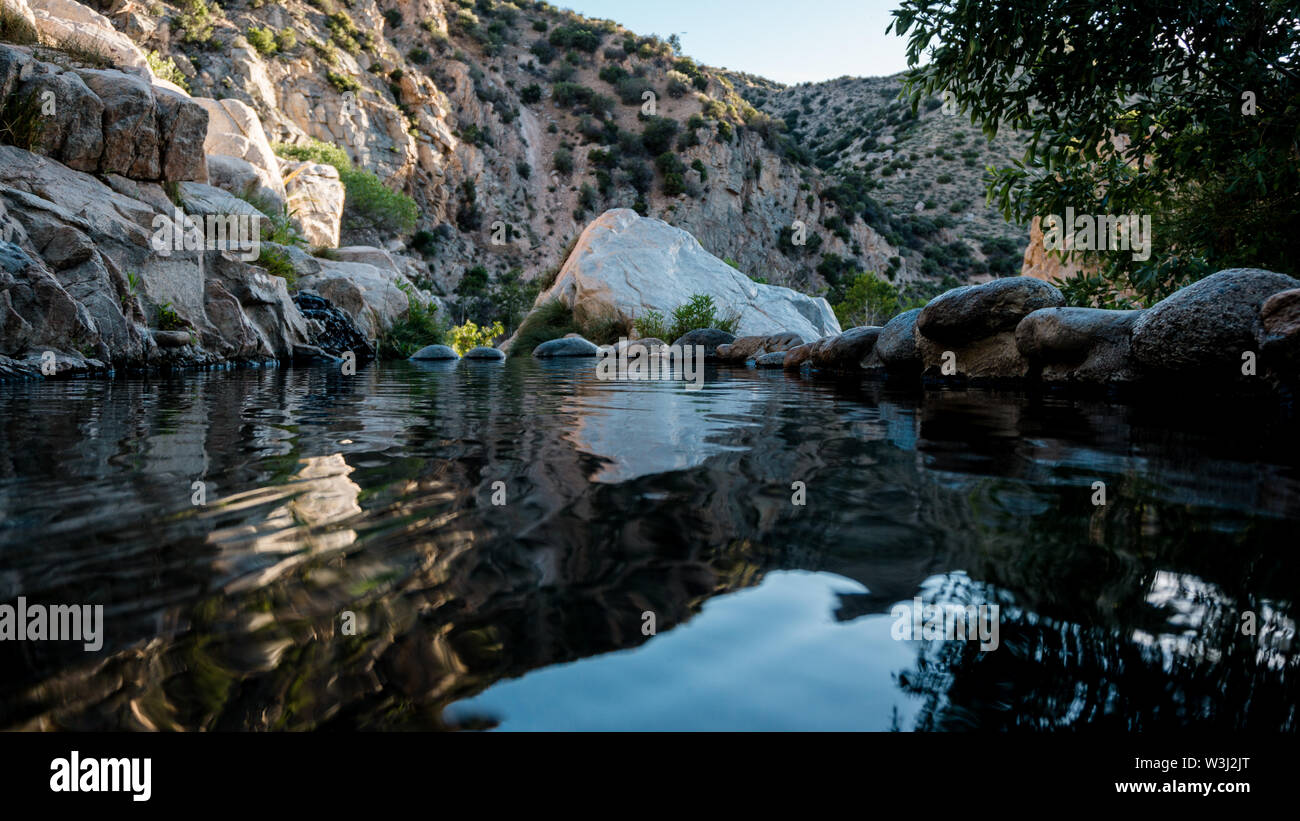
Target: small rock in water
(484, 353)
(775, 359)
(568, 346)
(434, 352)
(709, 338)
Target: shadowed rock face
(1078, 344)
(1205, 328)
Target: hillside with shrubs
(482, 136)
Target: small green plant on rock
(262, 39)
(166, 318)
(277, 263)
(21, 122)
(700, 312)
(164, 68)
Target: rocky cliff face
(455, 104)
(511, 125)
(925, 170)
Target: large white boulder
(626, 264)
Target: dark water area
(369, 500)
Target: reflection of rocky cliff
(374, 496)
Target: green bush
(368, 198)
(531, 93)
(468, 336)
(578, 37)
(550, 320)
(652, 324)
(343, 32)
(21, 121)
(164, 69)
(699, 312)
(420, 326)
(277, 263)
(870, 300)
(314, 151)
(657, 137)
(342, 82)
(262, 39)
(563, 160)
(286, 40)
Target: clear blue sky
(790, 41)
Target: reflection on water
(367, 501)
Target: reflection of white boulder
(627, 265)
(648, 427)
(319, 495)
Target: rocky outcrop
(625, 265)
(331, 330)
(235, 131)
(68, 23)
(108, 121)
(316, 196)
(1206, 330)
(1049, 266)
(375, 294)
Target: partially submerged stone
(1078, 344)
(896, 347)
(434, 353)
(568, 346)
(969, 332)
(708, 338)
(971, 312)
(846, 351)
(1204, 330)
(484, 353)
(1279, 333)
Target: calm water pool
(350, 569)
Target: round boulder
(568, 346)
(1203, 330)
(434, 352)
(710, 338)
(846, 351)
(484, 353)
(1078, 344)
(973, 312)
(896, 346)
